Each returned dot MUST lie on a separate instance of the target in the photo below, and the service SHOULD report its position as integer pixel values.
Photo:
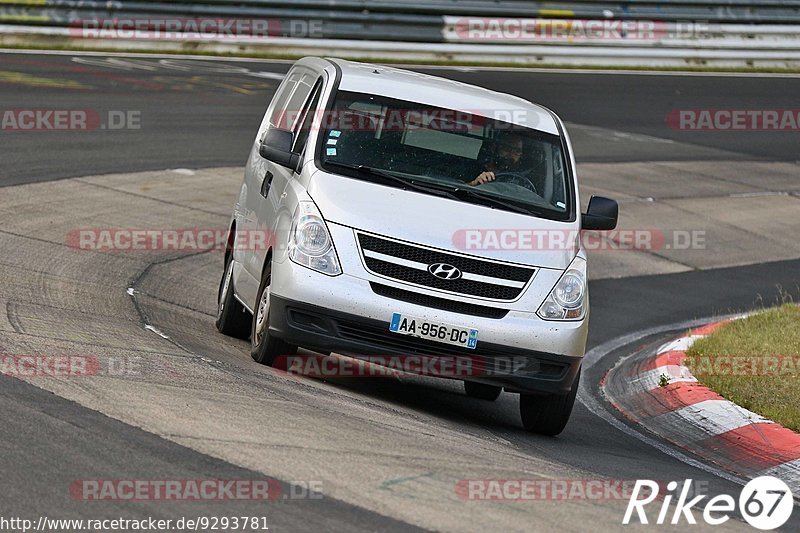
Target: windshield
(448, 150)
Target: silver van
(410, 216)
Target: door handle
(265, 185)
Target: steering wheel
(516, 178)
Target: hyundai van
(413, 216)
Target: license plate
(444, 333)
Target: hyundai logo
(444, 271)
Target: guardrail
(379, 14)
(705, 31)
(331, 21)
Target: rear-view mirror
(602, 214)
(276, 146)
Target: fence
(741, 32)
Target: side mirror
(602, 214)
(277, 147)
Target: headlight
(310, 242)
(567, 300)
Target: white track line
(713, 416)
(651, 379)
(788, 472)
(679, 345)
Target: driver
(507, 158)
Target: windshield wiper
(454, 193)
(468, 193)
(393, 180)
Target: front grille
(424, 255)
(501, 272)
(438, 303)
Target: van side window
(294, 107)
(309, 112)
(275, 109)
(279, 114)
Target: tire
(482, 391)
(232, 318)
(264, 348)
(547, 415)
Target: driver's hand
(484, 177)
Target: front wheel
(547, 415)
(232, 317)
(264, 346)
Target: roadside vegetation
(755, 363)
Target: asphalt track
(195, 116)
(181, 102)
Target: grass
(755, 363)
(405, 61)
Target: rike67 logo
(766, 503)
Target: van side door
(278, 207)
(247, 270)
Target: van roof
(440, 92)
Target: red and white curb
(698, 419)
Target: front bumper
(359, 293)
(326, 330)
